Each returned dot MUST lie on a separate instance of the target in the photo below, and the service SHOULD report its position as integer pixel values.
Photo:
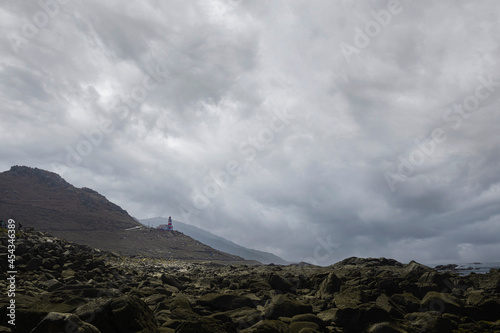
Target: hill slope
(45, 201)
(218, 242)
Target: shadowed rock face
(63, 285)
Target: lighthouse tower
(170, 227)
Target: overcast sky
(316, 130)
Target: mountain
(44, 201)
(218, 242)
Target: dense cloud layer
(315, 130)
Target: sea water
(476, 267)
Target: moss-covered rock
(283, 306)
(224, 302)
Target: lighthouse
(170, 227)
(167, 227)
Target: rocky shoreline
(66, 287)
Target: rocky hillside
(65, 287)
(218, 242)
(44, 201)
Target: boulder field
(66, 287)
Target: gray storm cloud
(316, 131)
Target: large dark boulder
(171, 281)
(181, 309)
(407, 301)
(330, 285)
(256, 285)
(131, 314)
(31, 310)
(489, 309)
(314, 280)
(442, 303)
(283, 306)
(387, 284)
(442, 280)
(413, 271)
(360, 317)
(121, 314)
(350, 297)
(389, 306)
(280, 283)
(224, 302)
(489, 282)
